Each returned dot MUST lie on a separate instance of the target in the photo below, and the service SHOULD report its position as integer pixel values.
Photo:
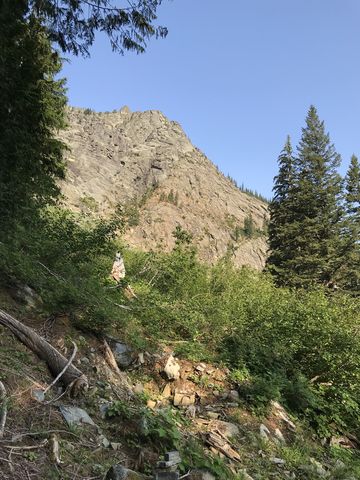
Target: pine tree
(281, 217)
(72, 24)
(349, 275)
(318, 212)
(32, 109)
(305, 213)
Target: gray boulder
(123, 354)
(118, 472)
(75, 416)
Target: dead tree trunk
(56, 362)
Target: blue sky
(239, 75)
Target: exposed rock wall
(122, 157)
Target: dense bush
(66, 259)
(302, 347)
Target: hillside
(146, 161)
(125, 422)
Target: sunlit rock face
(144, 158)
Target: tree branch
(3, 409)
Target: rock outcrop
(144, 159)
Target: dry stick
(109, 357)
(11, 466)
(3, 409)
(186, 474)
(124, 307)
(5, 460)
(63, 370)
(56, 275)
(55, 450)
(53, 400)
(31, 447)
(111, 361)
(16, 438)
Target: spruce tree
(73, 24)
(349, 275)
(317, 209)
(32, 109)
(305, 213)
(281, 216)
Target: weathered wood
(45, 351)
(111, 361)
(3, 409)
(55, 449)
(68, 364)
(216, 441)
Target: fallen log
(72, 376)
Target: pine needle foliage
(72, 24)
(32, 109)
(281, 212)
(349, 273)
(306, 212)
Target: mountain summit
(146, 162)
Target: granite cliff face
(144, 158)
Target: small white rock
(277, 461)
(172, 369)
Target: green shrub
(66, 259)
(301, 347)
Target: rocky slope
(145, 160)
(169, 403)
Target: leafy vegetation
(299, 346)
(65, 259)
(247, 230)
(171, 197)
(281, 344)
(302, 347)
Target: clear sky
(238, 75)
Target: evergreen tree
(72, 24)
(305, 213)
(281, 209)
(317, 210)
(349, 275)
(32, 107)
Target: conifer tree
(318, 212)
(73, 24)
(281, 216)
(32, 109)
(350, 271)
(305, 214)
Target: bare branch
(3, 409)
(63, 370)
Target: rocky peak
(145, 158)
